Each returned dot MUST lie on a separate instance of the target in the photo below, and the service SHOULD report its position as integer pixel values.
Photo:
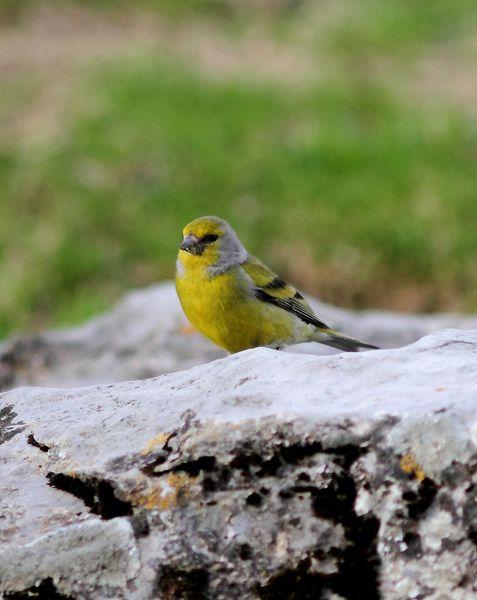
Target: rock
(143, 337)
(259, 475)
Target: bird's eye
(208, 239)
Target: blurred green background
(339, 139)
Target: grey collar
(232, 254)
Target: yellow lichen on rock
(166, 493)
(409, 465)
(157, 441)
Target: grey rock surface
(259, 475)
(143, 336)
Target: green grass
(354, 194)
(12, 10)
(372, 27)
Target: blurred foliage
(343, 184)
(402, 26)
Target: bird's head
(210, 242)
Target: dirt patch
(450, 73)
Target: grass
(401, 27)
(356, 194)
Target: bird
(237, 301)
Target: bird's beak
(188, 243)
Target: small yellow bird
(237, 301)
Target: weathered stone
(260, 475)
(143, 336)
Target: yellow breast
(223, 309)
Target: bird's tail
(333, 338)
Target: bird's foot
(187, 329)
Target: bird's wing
(268, 287)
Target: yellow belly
(222, 310)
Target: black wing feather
(292, 305)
